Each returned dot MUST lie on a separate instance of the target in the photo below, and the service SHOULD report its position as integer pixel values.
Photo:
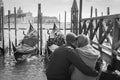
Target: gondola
(22, 55)
(27, 47)
(55, 39)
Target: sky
(56, 7)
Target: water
(33, 69)
(20, 34)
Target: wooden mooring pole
(91, 25)
(108, 10)
(71, 27)
(38, 22)
(96, 19)
(95, 12)
(2, 27)
(15, 26)
(9, 31)
(91, 12)
(65, 25)
(41, 40)
(101, 13)
(2, 19)
(59, 21)
(80, 17)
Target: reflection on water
(31, 70)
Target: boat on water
(56, 38)
(27, 47)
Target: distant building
(27, 17)
(47, 19)
(20, 17)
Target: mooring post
(2, 10)
(65, 24)
(59, 22)
(9, 31)
(41, 42)
(91, 12)
(38, 22)
(91, 24)
(95, 28)
(96, 16)
(95, 12)
(15, 26)
(101, 13)
(80, 17)
(71, 27)
(0, 25)
(108, 10)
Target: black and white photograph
(59, 39)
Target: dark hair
(70, 37)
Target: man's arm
(73, 57)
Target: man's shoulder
(66, 48)
(70, 49)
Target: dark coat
(61, 60)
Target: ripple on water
(32, 70)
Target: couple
(83, 59)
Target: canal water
(32, 69)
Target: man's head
(71, 39)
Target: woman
(88, 54)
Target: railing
(103, 31)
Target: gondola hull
(22, 56)
(27, 47)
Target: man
(63, 57)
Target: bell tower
(74, 18)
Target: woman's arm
(75, 59)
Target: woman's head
(82, 40)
